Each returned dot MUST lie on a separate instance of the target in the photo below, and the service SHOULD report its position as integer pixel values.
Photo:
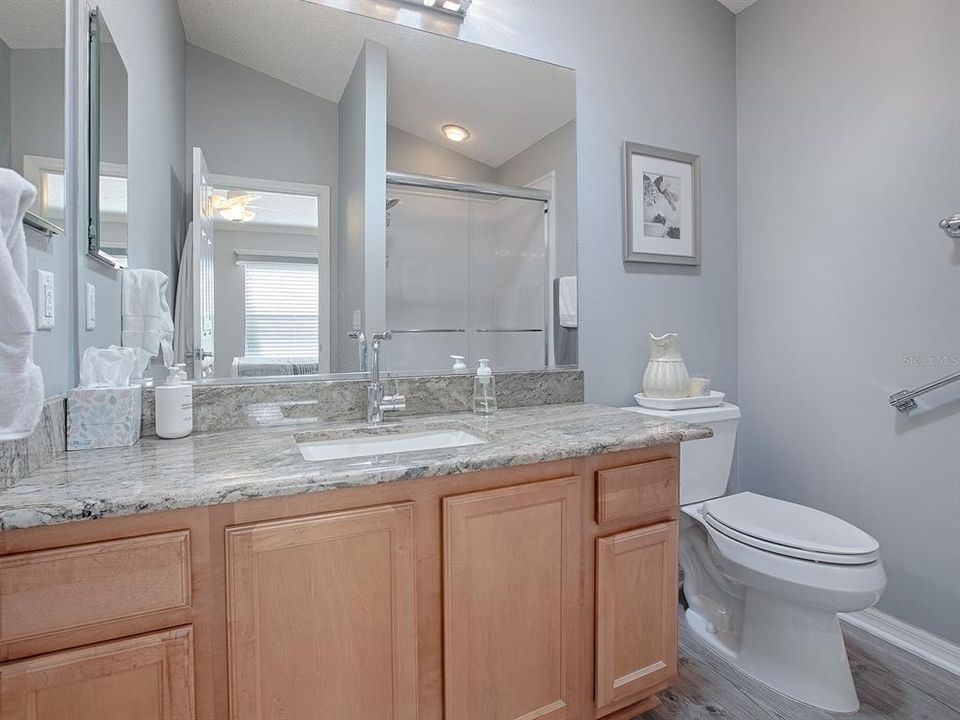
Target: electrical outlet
(357, 321)
(44, 301)
(91, 307)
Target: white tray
(687, 403)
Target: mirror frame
(94, 33)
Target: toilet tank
(704, 464)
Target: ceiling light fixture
(456, 133)
(453, 8)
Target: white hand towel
(21, 382)
(568, 301)
(183, 303)
(145, 320)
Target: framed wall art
(661, 205)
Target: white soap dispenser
(174, 404)
(458, 363)
(484, 390)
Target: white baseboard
(921, 643)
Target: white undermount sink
(384, 444)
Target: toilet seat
(789, 529)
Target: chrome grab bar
(951, 225)
(904, 400)
(509, 330)
(429, 330)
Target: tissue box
(103, 417)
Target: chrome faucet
(377, 402)
(361, 347)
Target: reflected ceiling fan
(238, 208)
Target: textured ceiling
(506, 101)
(32, 23)
(737, 5)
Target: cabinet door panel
(149, 677)
(322, 616)
(511, 591)
(636, 612)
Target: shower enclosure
(467, 274)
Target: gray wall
(557, 152)
(4, 104)
(253, 125)
(658, 72)
(849, 155)
(36, 97)
(411, 154)
(361, 239)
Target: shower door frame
(504, 191)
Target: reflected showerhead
(392, 202)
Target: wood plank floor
(892, 684)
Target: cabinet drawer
(634, 490)
(49, 591)
(149, 676)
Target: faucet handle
(355, 334)
(385, 335)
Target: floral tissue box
(103, 417)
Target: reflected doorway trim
(322, 193)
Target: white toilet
(764, 579)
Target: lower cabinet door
(321, 617)
(636, 612)
(149, 677)
(511, 594)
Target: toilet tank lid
(724, 411)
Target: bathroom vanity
(532, 575)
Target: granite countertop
(231, 466)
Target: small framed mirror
(107, 216)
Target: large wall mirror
(347, 175)
(107, 223)
(32, 38)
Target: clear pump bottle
(484, 390)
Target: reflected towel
(145, 321)
(21, 382)
(568, 301)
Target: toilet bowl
(764, 579)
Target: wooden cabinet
(523, 593)
(511, 590)
(322, 616)
(149, 677)
(636, 613)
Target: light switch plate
(44, 301)
(91, 307)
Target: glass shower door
(427, 278)
(508, 282)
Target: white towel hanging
(145, 313)
(568, 301)
(21, 382)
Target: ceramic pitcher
(666, 376)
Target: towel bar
(41, 225)
(904, 400)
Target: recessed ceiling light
(455, 133)
(429, 3)
(451, 6)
